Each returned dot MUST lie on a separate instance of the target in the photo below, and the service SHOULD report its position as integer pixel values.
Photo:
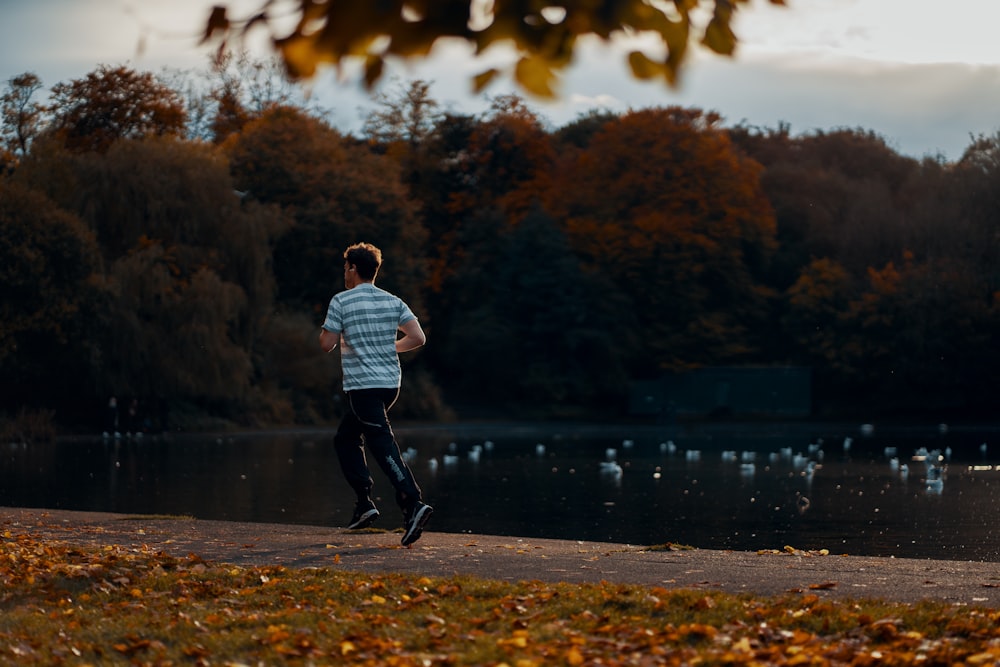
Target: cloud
(600, 101)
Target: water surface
(727, 489)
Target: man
(364, 320)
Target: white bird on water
(611, 468)
(935, 479)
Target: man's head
(364, 259)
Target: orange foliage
(114, 103)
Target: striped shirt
(367, 319)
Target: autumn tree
(335, 192)
(543, 37)
(663, 203)
(113, 103)
(497, 167)
(509, 160)
(919, 337)
(20, 118)
(814, 323)
(577, 133)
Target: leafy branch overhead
(543, 35)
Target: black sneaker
(365, 514)
(414, 525)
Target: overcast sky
(925, 80)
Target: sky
(924, 76)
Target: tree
(977, 189)
(405, 119)
(663, 203)
(814, 321)
(334, 192)
(49, 295)
(171, 331)
(527, 316)
(20, 118)
(843, 195)
(113, 103)
(508, 161)
(577, 133)
(543, 36)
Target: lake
(923, 491)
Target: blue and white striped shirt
(367, 319)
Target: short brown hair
(366, 258)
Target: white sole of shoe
(365, 520)
(417, 524)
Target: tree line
(179, 243)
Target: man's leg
(349, 444)
(371, 407)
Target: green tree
(530, 324)
(171, 331)
(50, 290)
(188, 270)
(543, 36)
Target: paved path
(518, 559)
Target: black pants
(367, 424)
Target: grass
(61, 604)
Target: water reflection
(923, 495)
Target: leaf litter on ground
(63, 604)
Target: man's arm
(328, 340)
(413, 337)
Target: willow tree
(50, 290)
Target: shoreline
(770, 573)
